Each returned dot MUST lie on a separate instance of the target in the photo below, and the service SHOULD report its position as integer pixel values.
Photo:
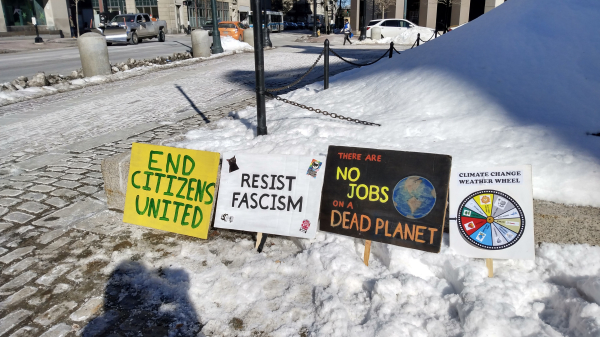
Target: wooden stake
(367, 251)
(260, 241)
(489, 263)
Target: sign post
(387, 196)
(171, 189)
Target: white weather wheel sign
(490, 220)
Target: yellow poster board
(171, 189)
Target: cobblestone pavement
(56, 235)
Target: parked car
(391, 27)
(133, 28)
(302, 25)
(232, 28)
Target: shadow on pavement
(192, 104)
(142, 302)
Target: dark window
(373, 22)
(147, 18)
(226, 25)
(390, 23)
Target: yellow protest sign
(171, 189)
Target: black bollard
(326, 66)
(418, 38)
(391, 49)
(259, 69)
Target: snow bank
(230, 44)
(409, 37)
(509, 88)
(321, 287)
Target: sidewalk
(57, 236)
(26, 43)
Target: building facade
(426, 13)
(53, 15)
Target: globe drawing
(414, 197)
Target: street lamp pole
(216, 47)
(266, 35)
(363, 18)
(314, 18)
(259, 69)
(38, 39)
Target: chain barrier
(319, 111)
(358, 64)
(300, 78)
(414, 44)
(427, 40)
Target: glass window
(20, 12)
(404, 24)
(147, 18)
(121, 18)
(226, 25)
(373, 22)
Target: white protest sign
(272, 194)
(493, 212)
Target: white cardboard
(495, 241)
(233, 212)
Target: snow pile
(408, 37)
(230, 44)
(509, 88)
(321, 287)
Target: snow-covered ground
(408, 37)
(512, 87)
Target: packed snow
(512, 87)
(230, 44)
(408, 37)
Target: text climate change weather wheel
(490, 220)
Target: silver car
(133, 28)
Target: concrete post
(354, 16)
(491, 4)
(428, 13)
(399, 9)
(94, 54)
(2, 22)
(200, 43)
(460, 12)
(376, 33)
(249, 36)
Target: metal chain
(357, 64)
(301, 77)
(319, 111)
(414, 43)
(396, 50)
(432, 35)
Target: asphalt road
(65, 60)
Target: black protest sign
(388, 196)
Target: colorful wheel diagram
(490, 220)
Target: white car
(390, 27)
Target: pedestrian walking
(73, 35)
(347, 32)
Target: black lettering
(245, 178)
(281, 201)
(281, 183)
(290, 179)
(264, 181)
(233, 198)
(260, 201)
(293, 206)
(274, 198)
(254, 202)
(244, 200)
(273, 181)
(255, 181)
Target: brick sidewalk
(56, 235)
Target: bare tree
(382, 5)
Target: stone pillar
(2, 21)
(355, 16)
(201, 43)
(249, 36)
(60, 15)
(376, 33)
(491, 4)
(428, 13)
(460, 12)
(130, 7)
(399, 10)
(94, 54)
